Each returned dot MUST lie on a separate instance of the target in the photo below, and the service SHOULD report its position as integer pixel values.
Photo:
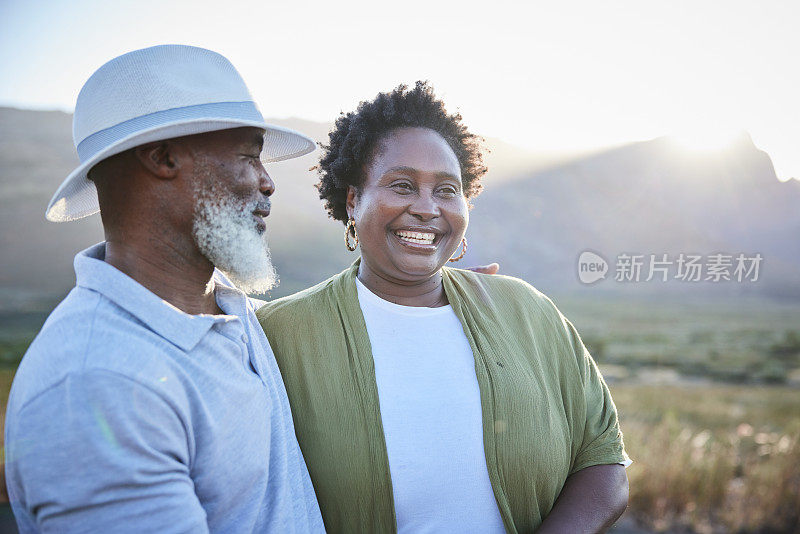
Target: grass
(721, 456)
(710, 459)
(6, 377)
(743, 340)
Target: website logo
(591, 267)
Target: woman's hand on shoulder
(491, 268)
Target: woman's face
(411, 212)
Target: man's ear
(352, 195)
(161, 159)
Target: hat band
(231, 111)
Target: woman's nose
(425, 207)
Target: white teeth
(424, 238)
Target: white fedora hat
(153, 94)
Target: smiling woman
(426, 398)
(410, 212)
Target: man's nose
(265, 184)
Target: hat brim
(76, 197)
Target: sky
(546, 76)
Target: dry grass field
(712, 458)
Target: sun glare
(707, 139)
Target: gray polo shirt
(127, 414)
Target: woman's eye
(403, 187)
(448, 191)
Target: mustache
(263, 205)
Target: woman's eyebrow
(448, 176)
(402, 169)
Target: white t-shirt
(431, 412)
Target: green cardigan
(547, 412)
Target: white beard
(227, 236)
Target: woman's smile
(418, 240)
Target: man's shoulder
(87, 332)
(87, 324)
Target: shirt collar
(180, 328)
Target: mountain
(538, 212)
(645, 198)
(36, 153)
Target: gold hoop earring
(463, 250)
(350, 247)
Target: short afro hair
(356, 135)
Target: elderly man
(150, 400)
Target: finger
(492, 268)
